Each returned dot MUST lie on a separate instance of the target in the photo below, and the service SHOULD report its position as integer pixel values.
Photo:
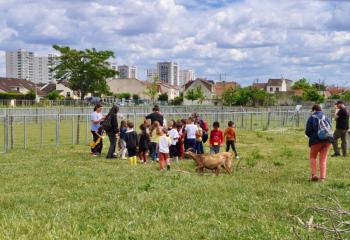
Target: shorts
(173, 151)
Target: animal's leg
(217, 171)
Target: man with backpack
(342, 125)
(319, 131)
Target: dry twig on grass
(335, 223)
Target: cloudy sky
(243, 40)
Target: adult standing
(112, 131)
(96, 119)
(203, 124)
(342, 125)
(156, 116)
(318, 146)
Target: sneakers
(314, 179)
(237, 157)
(335, 155)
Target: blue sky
(243, 40)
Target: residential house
(278, 85)
(221, 87)
(129, 85)
(61, 87)
(261, 86)
(207, 87)
(171, 90)
(16, 85)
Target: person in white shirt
(174, 137)
(96, 119)
(190, 131)
(163, 150)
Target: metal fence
(21, 131)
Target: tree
(152, 89)
(313, 95)
(54, 95)
(301, 84)
(163, 97)
(135, 97)
(86, 71)
(319, 86)
(177, 100)
(126, 95)
(195, 94)
(345, 96)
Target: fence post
(57, 129)
(73, 130)
(6, 133)
(12, 133)
(251, 121)
(78, 129)
(25, 132)
(86, 129)
(242, 120)
(298, 119)
(268, 119)
(41, 132)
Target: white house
(278, 85)
(207, 88)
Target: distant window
(277, 89)
(271, 89)
(17, 89)
(68, 94)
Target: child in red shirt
(216, 138)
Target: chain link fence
(52, 128)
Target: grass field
(63, 193)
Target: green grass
(63, 193)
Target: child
(216, 138)
(199, 140)
(122, 143)
(174, 137)
(155, 133)
(131, 143)
(143, 143)
(230, 135)
(190, 130)
(163, 148)
(180, 143)
(96, 145)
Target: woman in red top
(216, 138)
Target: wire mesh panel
(3, 134)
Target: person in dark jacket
(342, 125)
(131, 143)
(112, 131)
(317, 146)
(144, 143)
(156, 116)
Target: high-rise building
(152, 74)
(19, 64)
(24, 65)
(127, 71)
(186, 76)
(168, 72)
(42, 69)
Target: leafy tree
(135, 97)
(163, 97)
(123, 95)
(153, 89)
(195, 94)
(85, 70)
(319, 86)
(229, 97)
(313, 95)
(345, 96)
(54, 95)
(177, 101)
(301, 84)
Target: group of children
(169, 143)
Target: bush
(18, 96)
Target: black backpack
(107, 124)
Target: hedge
(18, 96)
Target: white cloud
(246, 39)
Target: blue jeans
(153, 150)
(191, 143)
(199, 147)
(215, 149)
